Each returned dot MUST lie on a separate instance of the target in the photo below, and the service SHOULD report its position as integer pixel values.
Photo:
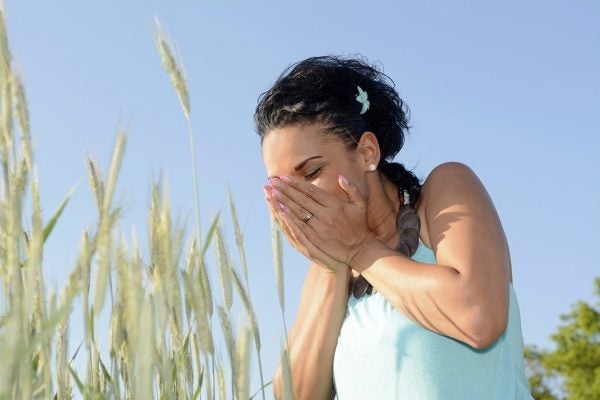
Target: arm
(465, 296)
(313, 337)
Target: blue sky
(510, 88)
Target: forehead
(285, 148)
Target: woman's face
(309, 152)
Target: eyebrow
(303, 163)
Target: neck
(383, 207)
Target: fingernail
(286, 178)
(283, 207)
(274, 182)
(275, 192)
(344, 180)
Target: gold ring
(307, 217)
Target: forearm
(437, 297)
(313, 338)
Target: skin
(352, 231)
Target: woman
(409, 293)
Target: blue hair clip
(363, 98)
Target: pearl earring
(372, 167)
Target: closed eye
(313, 174)
(314, 171)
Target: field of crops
(165, 318)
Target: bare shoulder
(449, 179)
(453, 192)
(441, 178)
(447, 173)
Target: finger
(275, 215)
(352, 191)
(270, 201)
(290, 226)
(310, 190)
(302, 213)
(289, 232)
(304, 243)
(304, 194)
(309, 223)
(274, 207)
(277, 212)
(310, 229)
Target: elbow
(486, 328)
(485, 339)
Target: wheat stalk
(288, 391)
(106, 222)
(155, 349)
(239, 237)
(242, 361)
(224, 268)
(172, 65)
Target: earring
(372, 167)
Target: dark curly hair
(323, 90)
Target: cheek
(330, 185)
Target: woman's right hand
(317, 255)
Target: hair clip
(363, 98)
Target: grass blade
(278, 264)
(211, 231)
(52, 221)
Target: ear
(367, 151)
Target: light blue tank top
(381, 354)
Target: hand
(318, 224)
(312, 252)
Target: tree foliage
(572, 369)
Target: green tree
(541, 380)
(573, 367)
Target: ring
(307, 217)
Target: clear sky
(511, 88)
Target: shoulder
(450, 179)
(450, 187)
(451, 171)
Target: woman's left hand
(336, 227)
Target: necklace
(408, 226)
